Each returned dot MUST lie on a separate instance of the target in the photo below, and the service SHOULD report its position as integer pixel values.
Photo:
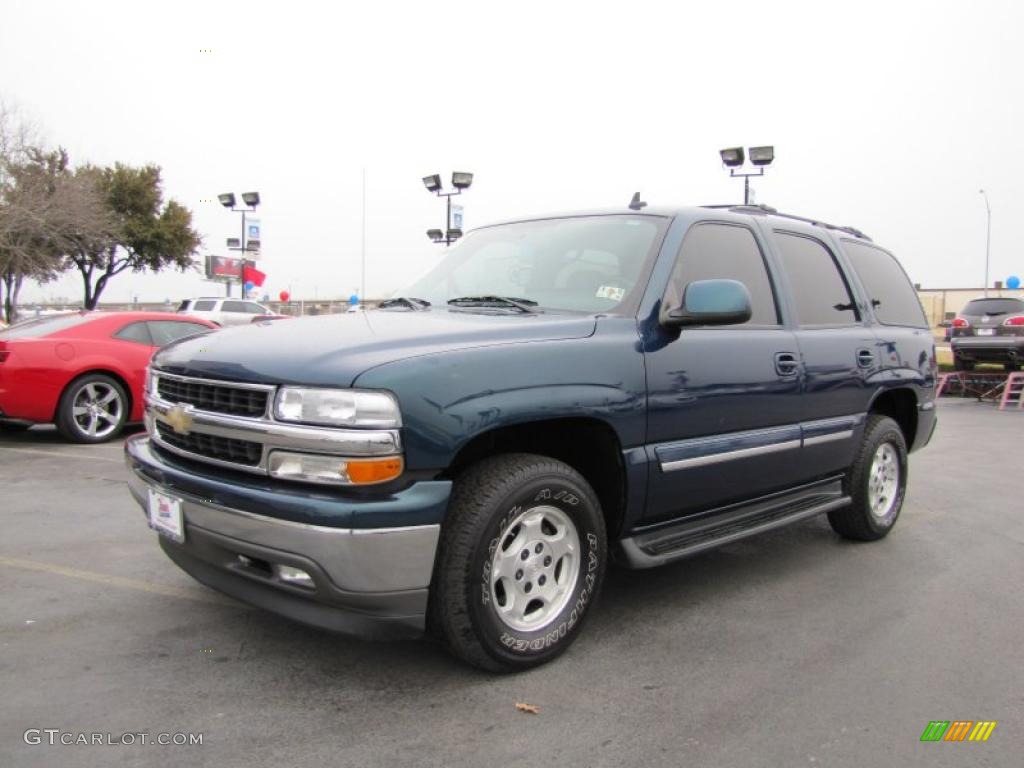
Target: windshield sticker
(610, 292)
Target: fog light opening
(294, 576)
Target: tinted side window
(724, 251)
(254, 309)
(889, 290)
(135, 332)
(233, 306)
(819, 288)
(166, 331)
(206, 305)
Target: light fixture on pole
(461, 181)
(988, 235)
(251, 200)
(760, 157)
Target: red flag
(254, 276)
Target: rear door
(837, 346)
(723, 402)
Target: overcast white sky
(886, 116)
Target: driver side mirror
(710, 302)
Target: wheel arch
(900, 405)
(588, 445)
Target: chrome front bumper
(365, 580)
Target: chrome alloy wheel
(96, 409)
(534, 568)
(884, 481)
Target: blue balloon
(249, 285)
(1013, 282)
(353, 299)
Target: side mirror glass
(710, 302)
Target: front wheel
(521, 560)
(92, 409)
(876, 483)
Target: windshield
(581, 264)
(993, 306)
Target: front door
(723, 402)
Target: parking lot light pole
(988, 235)
(251, 200)
(460, 180)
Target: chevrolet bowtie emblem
(179, 419)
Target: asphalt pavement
(792, 649)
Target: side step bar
(647, 550)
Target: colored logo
(958, 730)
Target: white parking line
(196, 595)
(59, 454)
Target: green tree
(141, 232)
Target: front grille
(212, 446)
(217, 398)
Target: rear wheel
(876, 483)
(522, 557)
(92, 409)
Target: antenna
(636, 203)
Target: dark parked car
(989, 330)
(554, 393)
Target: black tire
(78, 428)
(488, 499)
(859, 520)
(1011, 367)
(959, 364)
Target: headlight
(333, 470)
(337, 407)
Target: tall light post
(251, 200)
(460, 180)
(732, 158)
(988, 235)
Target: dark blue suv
(466, 458)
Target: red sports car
(83, 371)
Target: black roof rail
(767, 209)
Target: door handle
(865, 358)
(786, 364)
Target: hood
(332, 350)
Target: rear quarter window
(892, 297)
(166, 331)
(204, 306)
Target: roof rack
(767, 209)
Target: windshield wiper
(523, 305)
(415, 305)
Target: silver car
(223, 311)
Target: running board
(646, 550)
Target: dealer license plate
(986, 331)
(165, 516)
